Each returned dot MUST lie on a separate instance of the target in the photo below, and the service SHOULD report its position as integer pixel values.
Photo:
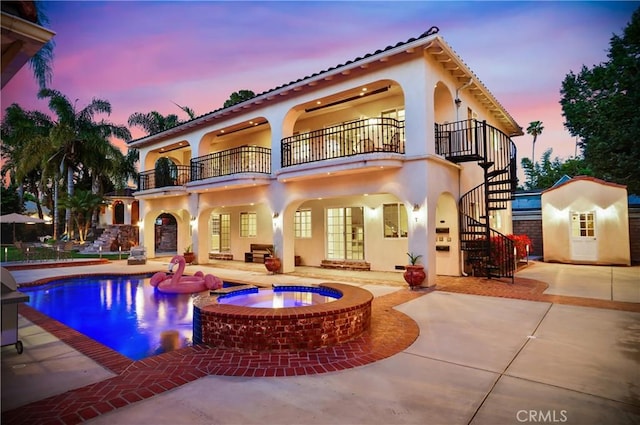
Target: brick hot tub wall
(283, 329)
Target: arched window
(118, 212)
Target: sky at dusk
(147, 55)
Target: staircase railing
(489, 252)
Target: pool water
(268, 298)
(124, 313)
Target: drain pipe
(457, 100)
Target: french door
(345, 233)
(220, 232)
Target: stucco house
(400, 150)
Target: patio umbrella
(19, 218)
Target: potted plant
(189, 255)
(414, 273)
(272, 262)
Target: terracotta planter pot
(414, 275)
(189, 257)
(272, 264)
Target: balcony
(169, 176)
(243, 159)
(348, 139)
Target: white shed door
(583, 236)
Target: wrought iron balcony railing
(172, 175)
(243, 159)
(347, 139)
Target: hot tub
(219, 323)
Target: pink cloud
(141, 56)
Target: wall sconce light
(416, 207)
(276, 214)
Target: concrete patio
(477, 359)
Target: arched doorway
(166, 234)
(118, 212)
(135, 212)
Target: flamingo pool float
(179, 284)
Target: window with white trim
(248, 225)
(396, 223)
(302, 224)
(220, 232)
(583, 225)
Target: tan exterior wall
(610, 244)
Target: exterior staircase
(105, 240)
(488, 252)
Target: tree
(83, 204)
(544, 174)
(126, 169)
(76, 135)
(535, 129)
(40, 63)
(239, 96)
(9, 200)
(154, 122)
(190, 112)
(24, 139)
(165, 173)
(600, 105)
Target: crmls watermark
(542, 416)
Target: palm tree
(83, 204)
(126, 170)
(40, 63)
(187, 110)
(76, 134)
(153, 122)
(535, 129)
(24, 139)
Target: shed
(586, 221)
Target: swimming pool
(125, 313)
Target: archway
(118, 212)
(135, 212)
(443, 104)
(447, 244)
(166, 234)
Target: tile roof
(361, 60)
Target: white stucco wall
(609, 204)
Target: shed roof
(584, 178)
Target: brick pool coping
(390, 333)
(307, 327)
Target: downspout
(457, 100)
